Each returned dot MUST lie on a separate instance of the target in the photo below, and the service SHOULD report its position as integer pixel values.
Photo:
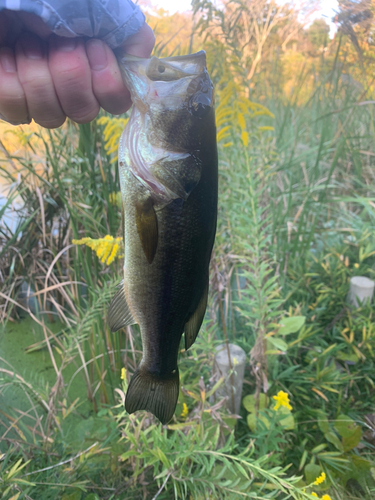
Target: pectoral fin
(193, 325)
(147, 227)
(119, 314)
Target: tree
(355, 19)
(245, 27)
(318, 33)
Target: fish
(168, 169)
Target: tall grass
(296, 220)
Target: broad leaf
(278, 343)
(353, 440)
(249, 402)
(323, 422)
(333, 439)
(345, 426)
(312, 471)
(291, 325)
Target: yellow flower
(245, 138)
(123, 373)
(113, 128)
(241, 121)
(115, 198)
(326, 497)
(235, 110)
(185, 411)
(282, 399)
(106, 248)
(356, 265)
(264, 129)
(314, 494)
(320, 479)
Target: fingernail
(96, 54)
(31, 47)
(64, 44)
(7, 60)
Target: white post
(233, 382)
(361, 290)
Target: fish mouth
(138, 73)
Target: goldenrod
(107, 248)
(282, 399)
(320, 479)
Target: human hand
(48, 78)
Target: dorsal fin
(147, 227)
(195, 321)
(119, 314)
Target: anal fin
(147, 227)
(195, 321)
(119, 314)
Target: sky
(326, 11)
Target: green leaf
(76, 495)
(323, 422)
(353, 440)
(252, 421)
(333, 439)
(303, 460)
(312, 471)
(319, 448)
(278, 343)
(249, 402)
(349, 358)
(291, 325)
(345, 426)
(361, 464)
(287, 422)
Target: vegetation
(296, 221)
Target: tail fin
(150, 392)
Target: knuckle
(85, 114)
(11, 94)
(70, 78)
(51, 123)
(38, 86)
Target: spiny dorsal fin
(147, 227)
(119, 314)
(193, 325)
(157, 394)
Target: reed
(296, 221)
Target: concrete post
(361, 290)
(223, 366)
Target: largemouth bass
(168, 175)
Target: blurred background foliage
(295, 119)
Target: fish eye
(161, 68)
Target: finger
(140, 44)
(36, 80)
(13, 105)
(3, 27)
(71, 75)
(107, 84)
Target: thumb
(140, 44)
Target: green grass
(296, 221)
